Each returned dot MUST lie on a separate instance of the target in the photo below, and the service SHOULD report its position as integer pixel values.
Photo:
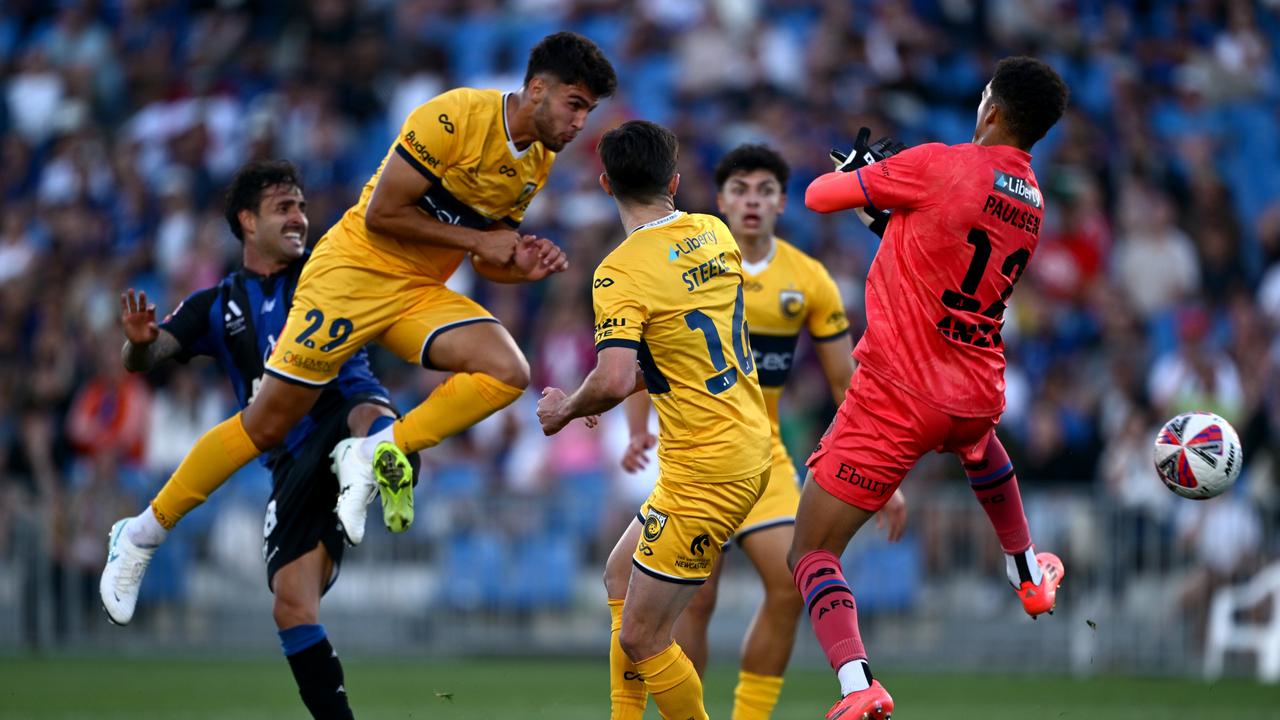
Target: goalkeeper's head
(1023, 100)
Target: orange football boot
(873, 703)
(1040, 599)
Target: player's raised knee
(290, 611)
(266, 430)
(510, 368)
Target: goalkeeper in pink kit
(963, 226)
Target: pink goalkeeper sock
(832, 611)
(996, 486)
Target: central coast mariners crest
(654, 522)
(792, 302)
(525, 197)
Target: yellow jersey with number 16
(460, 142)
(673, 291)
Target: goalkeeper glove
(862, 155)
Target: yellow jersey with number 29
(460, 141)
(673, 291)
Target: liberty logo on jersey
(689, 244)
(1018, 188)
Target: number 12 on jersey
(983, 334)
(726, 375)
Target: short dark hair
(574, 60)
(749, 157)
(251, 180)
(639, 158)
(1031, 95)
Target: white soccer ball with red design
(1198, 455)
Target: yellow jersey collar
(506, 132)
(671, 217)
(755, 268)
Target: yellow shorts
(777, 504)
(341, 306)
(686, 525)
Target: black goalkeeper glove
(863, 155)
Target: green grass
(131, 689)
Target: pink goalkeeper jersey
(965, 223)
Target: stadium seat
(1228, 632)
(886, 576)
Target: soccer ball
(1198, 455)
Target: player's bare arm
(145, 345)
(636, 410)
(394, 211)
(612, 380)
(836, 358)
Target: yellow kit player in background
(669, 297)
(455, 182)
(786, 292)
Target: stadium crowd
(1155, 288)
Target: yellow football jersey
(673, 291)
(458, 140)
(786, 293)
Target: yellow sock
(627, 696)
(671, 680)
(455, 405)
(755, 696)
(216, 456)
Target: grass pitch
(263, 689)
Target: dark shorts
(878, 435)
(304, 491)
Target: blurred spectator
(179, 414)
(109, 413)
(1149, 239)
(1196, 375)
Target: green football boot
(394, 475)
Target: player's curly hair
(251, 180)
(1031, 95)
(639, 158)
(574, 60)
(749, 157)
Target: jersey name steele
(704, 271)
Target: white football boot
(356, 487)
(121, 578)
